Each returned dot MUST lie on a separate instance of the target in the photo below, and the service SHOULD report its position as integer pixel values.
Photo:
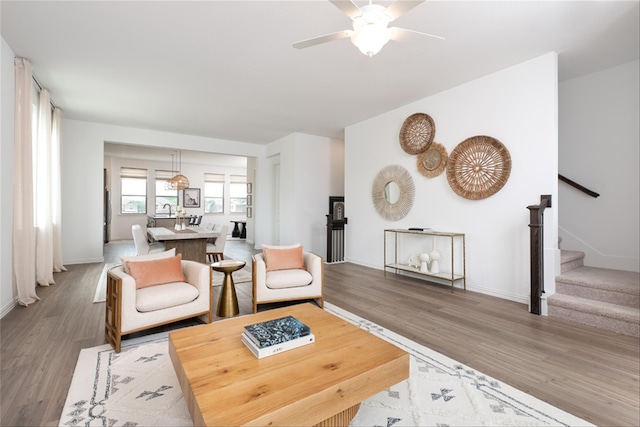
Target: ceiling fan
(370, 25)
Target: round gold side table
(228, 301)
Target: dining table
(191, 242)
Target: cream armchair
(288, 284)
(129, 309)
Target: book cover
(277, 348)
(276, 331)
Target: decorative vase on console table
(424, 262)
(435, 258)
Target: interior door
(106, 213)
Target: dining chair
(143, 247)
(215, 251)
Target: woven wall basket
(399, 209)
(416, 133)
(432, 162)
(478, 167)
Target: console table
(451, 276)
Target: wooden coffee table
(322, 383)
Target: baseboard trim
(7, 308)
(522, 299)
(84, 261)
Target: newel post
(536, 225)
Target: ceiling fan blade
(347, 7)
(322, 39)
(400, 7)
(398, 34)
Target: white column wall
(311, 170)
(8, 290)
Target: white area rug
(101, 289)
(139, 387)
(240, 276)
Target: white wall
(310, 171)
(599, 149)
(518, 106)
(7, 81)
(121, 224)
(83, 161)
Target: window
(166, 199)
(213, 193)
(238, 194)
(133, 191)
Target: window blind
(133, 173)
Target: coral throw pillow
(283, 259)
(156, 272)
(150, 257)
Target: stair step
(601, 284)
(621, 319)
(571, 260)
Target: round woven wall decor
(379, 192)
(416, 133)
(478, 167)
(432, 162)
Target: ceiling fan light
(371, 38)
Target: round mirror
(392, 192)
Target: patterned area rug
(139, 387)
(101, 289)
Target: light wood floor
(589, 373)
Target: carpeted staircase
(599, 297)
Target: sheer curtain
(37, 243)
(47, 191)
(24, 254)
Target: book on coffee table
(261, 352)
(276, 331)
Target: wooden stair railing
(536, 222)
(578, 186)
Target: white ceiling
(227, 69)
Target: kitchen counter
(161, 221)
(191, 242)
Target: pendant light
(180, 182)
(168, 184)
